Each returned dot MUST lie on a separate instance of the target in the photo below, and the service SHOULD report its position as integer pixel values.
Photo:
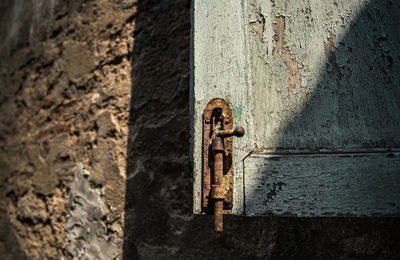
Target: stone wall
(65, 97)
(94, 145)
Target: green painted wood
(325, 78)
(355, 184)
(325, 73)
(317, 77)
(219, 70)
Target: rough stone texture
(53, 118)
(87, 232)
(64, 98)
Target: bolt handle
(238, 132)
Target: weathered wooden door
(316, 85)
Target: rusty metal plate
(208, 167)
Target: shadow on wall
(157, 169)
(9, 246)
(357, 98)
(158, 219)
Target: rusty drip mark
(258, 25)
(292, 66)
(279, 28)
(330, 55)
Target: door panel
(316, 86)
(341, 184)
(324, 74)
(325, 86)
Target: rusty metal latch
(217, 160)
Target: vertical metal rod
(218, 187)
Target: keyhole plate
(227, 122)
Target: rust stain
(330, 55)
(279, 28)
(258, 26)
(295, 73)
(292, 66)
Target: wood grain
(307, 75)
(343, 184)
(219, 70)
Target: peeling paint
(329, 84)
(238, 110)
(258, 25)
(331, 57)
(330, 185)
(320, 84)
(293, 68)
